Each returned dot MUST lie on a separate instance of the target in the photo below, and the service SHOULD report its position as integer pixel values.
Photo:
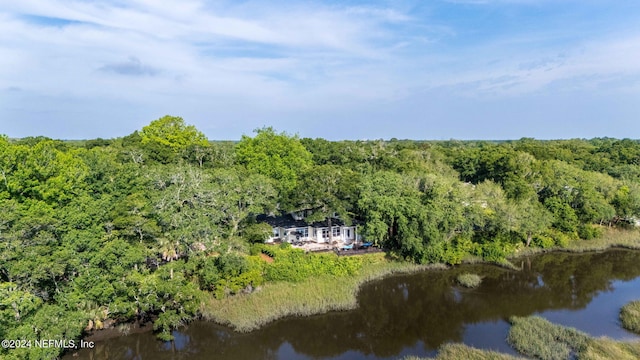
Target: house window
(325, 233)
(348, 233)
(302, 232)
(336, 231)
(276, 232)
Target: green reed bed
(461, 351)
(537, 337)
(541, 339)
(605, 349)
(611, 237)
(630, 316)
(314, 295)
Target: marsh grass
(461, 351)
(539, 338)
(469, 280)
(630, 316)
(611, 238)
(605, 349)
(324, 293)
(315, 295)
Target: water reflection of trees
(400, 311)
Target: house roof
(287, 221)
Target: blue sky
(440, 69)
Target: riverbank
(611, 238)
(321, 294)
(315, 295)
(396, 313)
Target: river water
(415, 314)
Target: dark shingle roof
(287, 221)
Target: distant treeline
(144, 226)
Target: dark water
(415, 314)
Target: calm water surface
(415, 314)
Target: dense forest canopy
(145, 226)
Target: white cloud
(313, 46)
(257, 60)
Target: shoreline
(121, 329)
(245, 313)
(610, 239)
(317, 295)
(274, 301)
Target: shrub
(208, 274)
(561, 239)
(543, 241)
(495, 251)
(258, 233)
(230, 264)
(294, 265)
(588, 231)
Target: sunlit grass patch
(610, 238)
(605, 349)
(461, 351)
(469, 280)
(630, 316)
(539, 338)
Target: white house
(291, 228)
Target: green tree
(239, 195)
(392, 210)
(278, 156)
(325, 190)
(169, 136)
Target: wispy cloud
(132, 67)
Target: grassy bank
(322, 293)
(315, 295)
(611, 238)
(630, 316)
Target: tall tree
(169, 136)
(325, 190)
(240, 196)
(278, 156)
